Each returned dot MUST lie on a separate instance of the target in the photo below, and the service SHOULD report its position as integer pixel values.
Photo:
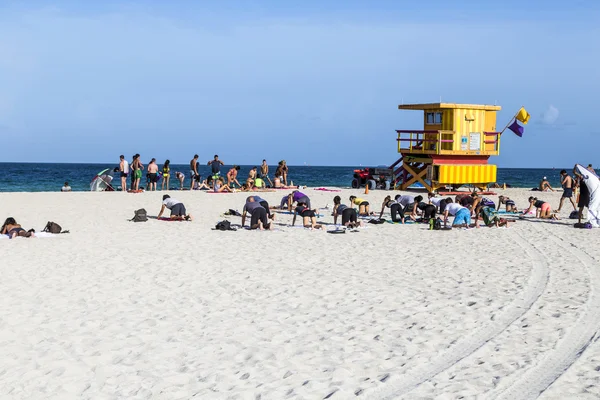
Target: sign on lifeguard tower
(452, 149)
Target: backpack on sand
(435, 224)
(224, 226)
(53, 227)
(140, 216)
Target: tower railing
(425, 141)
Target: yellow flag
(523, 115)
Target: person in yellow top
(166, 173)
(363, 205)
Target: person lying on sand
(462, 215)
(309, 218)
(177, 208)
(258, 210)
(396, 209)
(363, 205)
(510, 204)
(543, 209)
(12, 229)
(490, 217)
(349, 215)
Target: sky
(310, 82)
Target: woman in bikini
(543, 209)
(166, 170)
(12, 229)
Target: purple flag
(517, 129)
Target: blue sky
(314, 82)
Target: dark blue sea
(36, 177)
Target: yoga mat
(171, 220)
(292, 213)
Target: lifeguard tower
(452, 149)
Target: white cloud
(550, 116)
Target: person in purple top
(297, 197)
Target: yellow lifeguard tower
(452, 149)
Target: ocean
(40, 177)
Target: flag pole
(511, 120)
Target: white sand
(169, 310)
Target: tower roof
(437, 106)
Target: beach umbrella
(101, 182)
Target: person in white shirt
(124, 169)
(462, 215)
(177, 208)
(66, 188)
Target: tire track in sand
(415, 376)
(535, 380)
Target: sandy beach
(175, 310)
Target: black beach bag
(53, 227)
(140, 215)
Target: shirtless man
(124, 170)
(567, 183)
(152, 174)
(252, 175)
(137, 168)
(545, 185)
(264, 172)
(232, 176)
(194, 171)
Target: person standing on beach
(567, 183)
(584, 193)
(166, 170)
(124, 171)
(215, 166)
(137, 168)
(285, 170)
(66, 187)
(590, 168)
(194, 175)
(180, 176)
(153, 174)
(264, 172)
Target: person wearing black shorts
(309, 218)
(567, 183)
(178, 211)
(348, 214)
(259, 216)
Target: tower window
(434, 118)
